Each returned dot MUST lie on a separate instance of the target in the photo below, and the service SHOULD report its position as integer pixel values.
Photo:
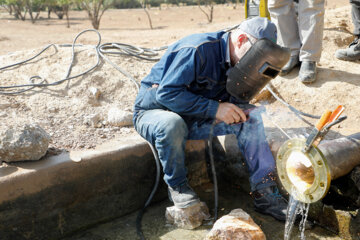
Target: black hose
(153, 191)
(213, 170)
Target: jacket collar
(225, 51)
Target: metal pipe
(341, 154)
(307, 175)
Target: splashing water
(304, 210)
(295, 208)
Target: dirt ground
(64, 110)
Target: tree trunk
(149, 18)
(211, 13)
(66, 11)
(95, 23)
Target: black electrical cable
(157, 179)
(213, 170)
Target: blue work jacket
(190, 78)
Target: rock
(119, 118)
(22, 143)
(187, 218)
(93, 96)
(94, 92)
(237, 225)
(93, 120)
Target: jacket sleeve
(173, 90)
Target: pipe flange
(304, 191)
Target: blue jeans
(168, 132)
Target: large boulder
(237, 225)
(23, 142)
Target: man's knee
(174, 127)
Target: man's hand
(230, 113)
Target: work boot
(307, 73)
(352, 53)
(269, 201)
(290, 65)
(183, 196)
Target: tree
(65, 5)
(18, 8)
(209, 5)
(144, 5)
(95, 9)
(8, 8)
(34, 7)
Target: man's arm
(230, 113)
(173, 89)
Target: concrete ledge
(53, 197)
(58, 195)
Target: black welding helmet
(261, 63)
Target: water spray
(307, 166)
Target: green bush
(126, 4)
(154, 3)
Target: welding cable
(101, 50)
(137, 85)
(3, 90)
(297, 112)
(213, 170)
(149, 54)
(128, 50)
(27, 60)
(153, 191)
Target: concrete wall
(55, 196)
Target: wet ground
(155, 226)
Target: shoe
(290, 65)
(269, 201)
(352, 53)
(183, 196)
(307, 73)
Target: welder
(210, 77)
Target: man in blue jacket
(186, 91)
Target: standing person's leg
(168, 132)
(355, 14)
(311, 28)
(283, 14)
(352, 53)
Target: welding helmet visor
(261, 63)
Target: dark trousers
(355, 13)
